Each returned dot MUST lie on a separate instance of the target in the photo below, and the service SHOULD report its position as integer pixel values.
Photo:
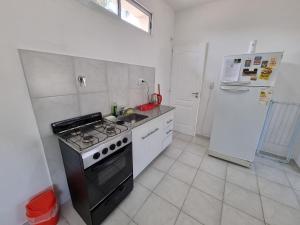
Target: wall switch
(141, 81)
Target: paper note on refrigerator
(231, 70)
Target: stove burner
(110, 129)
(98, 125)
(120, 122)
(76, 132)
(87, 139)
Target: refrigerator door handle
(235, 89)
(238, 83)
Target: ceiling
(183, 4)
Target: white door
(186, 81)
(238, 122)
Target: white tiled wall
(56, 95)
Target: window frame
(135, 4)
(139, 7)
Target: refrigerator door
(239, 117)
(254, 70)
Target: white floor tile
(295, 180)
(183, 172)
(134, 200)
(62, 221)
(163, 163)
(209, 184)
(71, 215)
(117, 217)
(279, 214)
(173, 152)
(178, 143)
(196, 149)
(244, 200)
(268, 162)
(190, 159)
(132, 223)
(185, 219)
(214, 166)
(232, 216)
(241, 178)
(172, 190)
(278, 192)
(250, 170)
(272, 174)
(184, 137)
(204, 141)
(156, 211)
(298, 195)
(203, 207)
(150, 178)
(291, 168)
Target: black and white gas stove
(97, 156)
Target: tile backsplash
(56, 95)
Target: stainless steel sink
(133, 118)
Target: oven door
(106, 175)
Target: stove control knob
(104, 151)
(112, 147)
(119, 143)
(96, 155)
(125, 140)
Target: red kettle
(157, 98)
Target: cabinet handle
(169, 131)
(150, 133)
(169, 121)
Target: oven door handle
(109, 161)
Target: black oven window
(105, 176)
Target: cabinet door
(146, 144)
(168, 126)
(168, 120)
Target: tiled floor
(185, 186)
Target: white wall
(66, 27)
(229, 25)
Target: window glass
(134, 14)
(111, 5)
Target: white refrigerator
(242, 103)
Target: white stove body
(241, 110)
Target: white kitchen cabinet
(149, 140)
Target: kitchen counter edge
(152, 114)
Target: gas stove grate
(98, 132)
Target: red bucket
(42, 209)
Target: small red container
(42, 209)
(147, 107)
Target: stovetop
(86, 136)
(85, 132)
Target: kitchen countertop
(152, 114)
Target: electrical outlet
(141, 81)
